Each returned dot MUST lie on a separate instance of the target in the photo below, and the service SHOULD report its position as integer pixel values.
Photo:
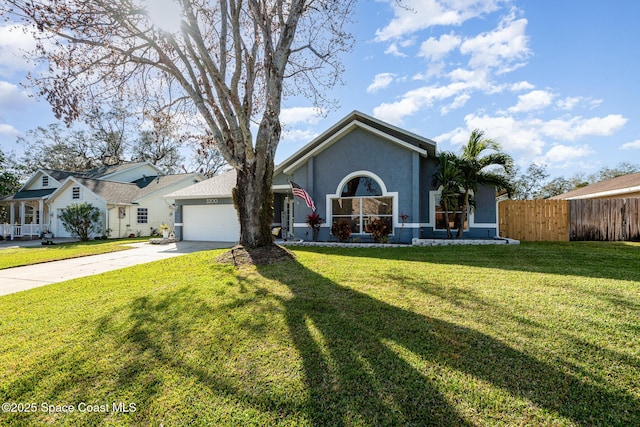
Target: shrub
(379, 230)
(314, 221)
(81, 220)
(342, 230)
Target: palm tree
(449, 176)
(478, 169)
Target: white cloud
(380, 81)
(8, 131)
(414, 100)
(302, 136)
(12, 97)
(566, 153)
(15, 40)
(520, 86)
(503, 48)
(569, 103)
(293, 115)
(534, 100)
(415, 15)
(435, 49)
(635, 145)
(395, 51)
(458, 102)
(530, 136)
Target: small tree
(476, 168)
(449, 176)
(81, 220)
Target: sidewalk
(32, 276)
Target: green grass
(16, 257)
(537, 334)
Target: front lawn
(16, 257)
(537, 334)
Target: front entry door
(287, 218)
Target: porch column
(12, 218)
(23, 212)
(41, 214)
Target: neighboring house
(129, 197)
(625, 186)
(359, 169)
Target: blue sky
(555, 82)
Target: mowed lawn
(537, 334)
(16, 257)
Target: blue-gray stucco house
(359, 169)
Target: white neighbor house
(129, 197)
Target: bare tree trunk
(253, 199)
(253, 194)
(447, 224)
(463, 214)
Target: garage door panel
(216, 223)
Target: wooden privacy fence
(605, 219)
(534, 220)
(563, 220)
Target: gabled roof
(218, 186)
(153, 184)
(61, 175)
(356, 119)
(121, 192)
(619, 186)
(105, 172)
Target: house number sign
(212, 201)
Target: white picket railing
(26, 230)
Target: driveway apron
(32, 276)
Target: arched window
(362, 200)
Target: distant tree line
(112, 137)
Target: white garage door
(216, 223)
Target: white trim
(338, 195)
(281, 187)
(344, 131)
(617, 192)
(471, 223)
(432, 211)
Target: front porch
(23, 219)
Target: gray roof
(119, 192)
(59, 175)
(614, 186)
(218, 186)
(29, 194)
(101, 171)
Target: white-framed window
(361, 200)
(143, 215)
(438, 218)
(122, 212)
(45, 181)
(75, 193)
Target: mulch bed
(239, 255)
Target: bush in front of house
(342, 230)
(81, 220)
(379, 230)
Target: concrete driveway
(32, 276)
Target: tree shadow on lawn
(362, 361)
(370, 361)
